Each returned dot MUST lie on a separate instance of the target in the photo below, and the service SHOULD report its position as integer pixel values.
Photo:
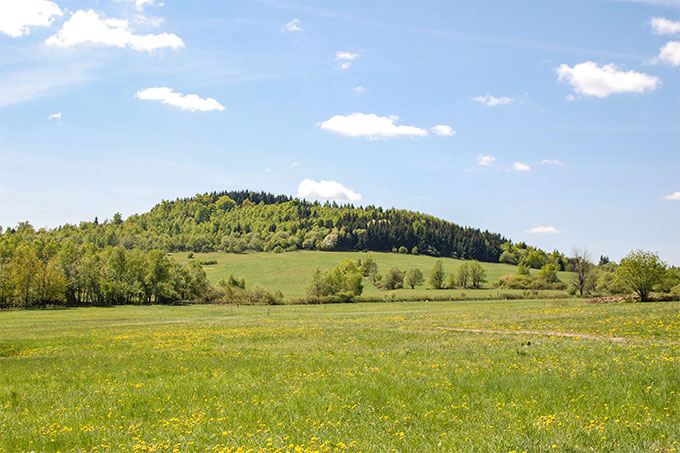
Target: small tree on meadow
(464, 275)
(413, 278)
(548, 273)
(581, 266)
(393, 279)
(640, 271)
(437, 275)
(477, 274)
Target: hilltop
(241, 221)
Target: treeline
(37, 270)
(242, 220)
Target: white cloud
(186, 102)
(672, 196)
(140, 4)
(40, 81)
(55, 116)
(663, 26)
(669, 54)
(17, 16)
(492, 101)
(552, 162)
(589, 79)
(345, 58)
(326, 190)
(87, 27)
(151, 21)
(359, 89)
(369, 125)
(342, 55)
(293, 25)
(443, 130)
(519, 166)
(485, 160)
(543, 230)
(295, 164)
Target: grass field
(532, 375)
(291, 272)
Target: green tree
(477, 274)
(393, 279)
(640, 271)
(523, 269)
(437, 275)
(414, 277)
(463, 275)
(548, 273)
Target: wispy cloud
(590, 79)
(168, 96)
(552, 162)
(669, 54)
(359, 89)
(23, 86)
(326, 190)
(293, 25)
(493, 101)
(295, 164)
(672, 196)
(86, 27)
(369, 125)
(519, 166)
(55, 116)
(543, 230)
(663, 26)
(443, 130)
(485, 160)
(345, 58)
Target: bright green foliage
(369, 268)
(477, 274)
(640, 271)
(437, 275)
(522, 269)
(548, 273)
(463, 275)
(344, 281)
(414, 277)
(393, 279)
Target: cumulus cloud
(669, 54)
(326, 190)
(443, 130)
(18, 16)
(519, 166)
(369, 125)
(552, 162)
(589, 79)
(663, 26)
(55, 116)
(190, 102)
(293, 25)
(543, 230)
(485, 160)
(345, 58)
(493, 101)
(86, 27)
(672, 196)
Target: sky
(555, 123)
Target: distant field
(291, 272)
(448, 376)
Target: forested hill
(243, 220)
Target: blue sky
(557, 123)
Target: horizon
(555, 124)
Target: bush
(207, 262)
(403, 249)
(393, 279)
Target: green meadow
(291, 272)
(523, 375)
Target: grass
(291, 272)
(370, 377)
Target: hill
(241, 221)
(292, 272)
